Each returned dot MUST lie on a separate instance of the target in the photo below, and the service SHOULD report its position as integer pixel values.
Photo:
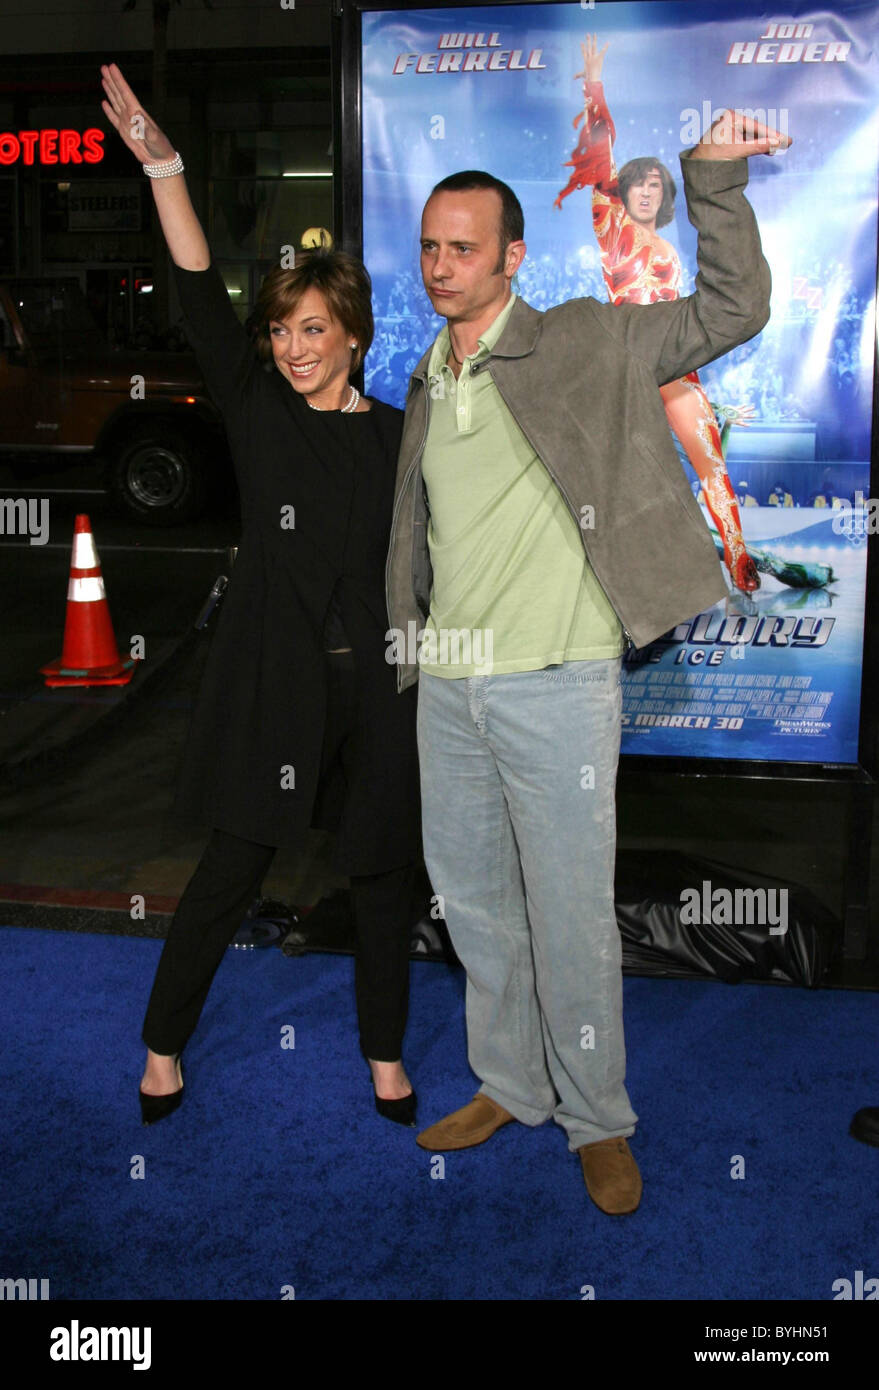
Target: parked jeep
(145, 417)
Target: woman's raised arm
(183, 231)
(219, 341)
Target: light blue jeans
(518, 778)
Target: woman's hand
(135, 128)
(182, 229)
(593, 61)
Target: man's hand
(736, 135)
(593, 61)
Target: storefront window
(7, 226)
(271, 154)
(259, 217)
(95, 220)
(267, 188)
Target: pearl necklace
(346, 409)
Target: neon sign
(52, 147)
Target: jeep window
(7, 337)
(55, 313)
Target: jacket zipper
(396, 512)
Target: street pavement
(87, 775)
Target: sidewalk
(88, 778)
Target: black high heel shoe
(401, 1111)
(155, 1108)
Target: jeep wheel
(158, 476)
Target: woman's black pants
(214, 906)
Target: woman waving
(298, 712)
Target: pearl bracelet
(165, 169)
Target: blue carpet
(277, 1172)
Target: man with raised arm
(541, 514)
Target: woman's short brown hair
(343, 281)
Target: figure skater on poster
(640, 267)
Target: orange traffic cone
(89, 655)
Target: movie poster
(773, 673)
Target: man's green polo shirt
(512, 588)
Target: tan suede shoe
(472, 1124)
(611, 1173)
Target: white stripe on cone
(86, 590)
(85, 556)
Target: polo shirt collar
(487, 340)
(519, 338)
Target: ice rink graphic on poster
(772, 675)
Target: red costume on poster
(640, 267)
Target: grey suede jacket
(581, 382)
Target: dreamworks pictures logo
(443, 646)
(738, 907)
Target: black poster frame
(859, 777)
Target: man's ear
(514, 257)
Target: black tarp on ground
(767, 930)
(793, 944)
